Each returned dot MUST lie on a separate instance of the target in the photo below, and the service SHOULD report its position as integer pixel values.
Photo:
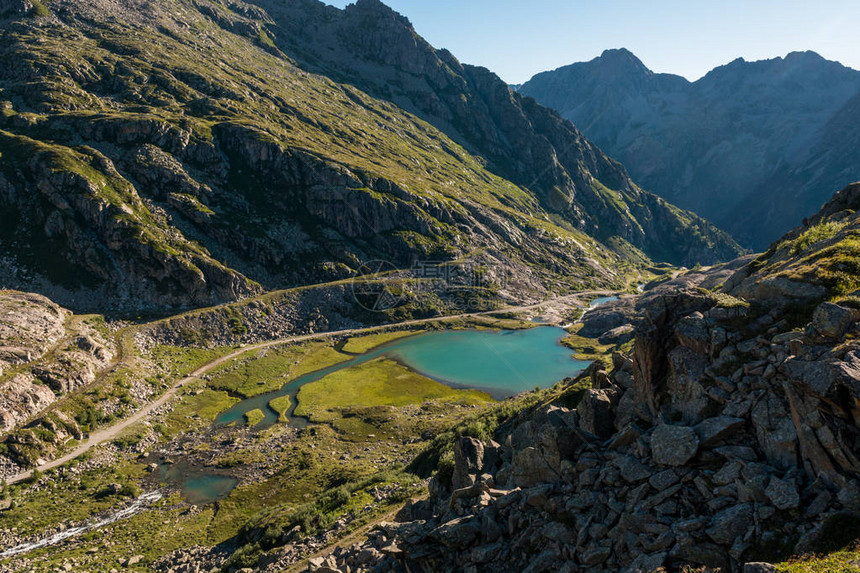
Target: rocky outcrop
(733, 439)
(29, 325)
(45, 352)
(809, 264)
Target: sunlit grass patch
(281, 406)
(254, 417)
(381, 382)
(268, 370)
(587, 349)
(816, 234)
(196, 409)
(361, 344)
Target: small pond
(198, 485)
(601, 301)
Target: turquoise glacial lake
(502, 363)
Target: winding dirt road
(112, 432)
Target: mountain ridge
(715, 144)
(167, 179)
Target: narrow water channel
(136, 506)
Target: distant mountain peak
(725, 145)
(807, 55)
(622, 59)
(379, 8)
(618, 53)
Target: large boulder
(596, 412)
(782, 494)
(828, 377)
(532, 466)
(712, 430)
(776, 431)
(468, 462)
(693, 332)
(674, 445)
(687, 394)
(731, 523)
(832, 320)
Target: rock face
(807, 265)
(763, 451)
(227, 191)
(373, 47)
(728, 146)
(45, 352)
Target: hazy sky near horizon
(517, 39)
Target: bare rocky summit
(752, 146)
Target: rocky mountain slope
(727, 435)
(182, 153)
(750, 142)
(829, 163)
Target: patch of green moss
(254, 417)
(723, 300)
(39, 10)
(281, 406)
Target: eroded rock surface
(45, 352)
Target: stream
(137, 506)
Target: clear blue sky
(519, 38)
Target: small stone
(632, 470)
(664, 479)
(595, 556)
(744, 453)
(727, 474)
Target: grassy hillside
(174, 156)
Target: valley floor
(307, 485)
